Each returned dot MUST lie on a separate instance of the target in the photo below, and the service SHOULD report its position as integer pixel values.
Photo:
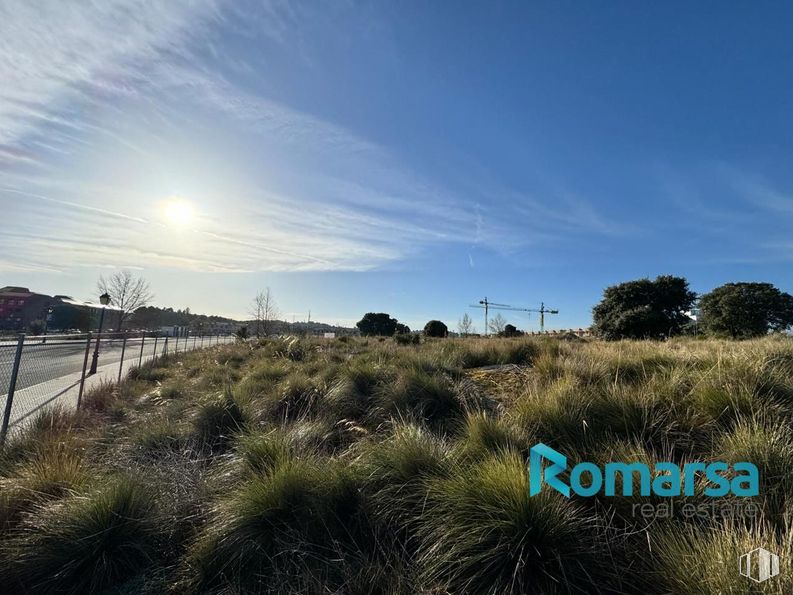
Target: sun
(178, 212)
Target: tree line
(665, 307)
(646, 309)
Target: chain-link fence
(36, 372)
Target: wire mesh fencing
(37, 372)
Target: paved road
(43, 362)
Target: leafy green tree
(435, 328)
(644, 309)
(377, 324)
(511, 331)
(402, 329)
(746, 310)
(66, 316)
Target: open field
(364, 466)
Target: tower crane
(487, 305)
(543, 311)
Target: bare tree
(126, 292)
(497, 324)
(465, 325)
(264, 311)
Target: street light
(104, 299)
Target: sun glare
(178, 212)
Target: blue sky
(406, 157)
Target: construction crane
(543, 311)
(487, 305)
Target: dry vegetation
(366, 466)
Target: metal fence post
(121, 365)
(175, 344)
(154, 355)
(165, 348)
(195, 340)
(11, 388)
(85, 368)
(202, 341)
(142, 343)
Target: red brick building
(19, 307)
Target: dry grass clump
(693, 560)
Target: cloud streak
(106, 108)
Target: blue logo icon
(665, 480)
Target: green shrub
(263, 452)
(407, 339)
(295, 397)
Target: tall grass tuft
(292, 527)
(769, 445)
(486, 434)
(217, 421)
(481, 532)
(396, 471)
(690, 560)
(423, 396)
(85, 544)
(54, 471)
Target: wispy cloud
(106, 108)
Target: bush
(407, 339)
(435, 328)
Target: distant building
(19, 307)
(174, 331)
(221, 327)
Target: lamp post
(104, 299)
